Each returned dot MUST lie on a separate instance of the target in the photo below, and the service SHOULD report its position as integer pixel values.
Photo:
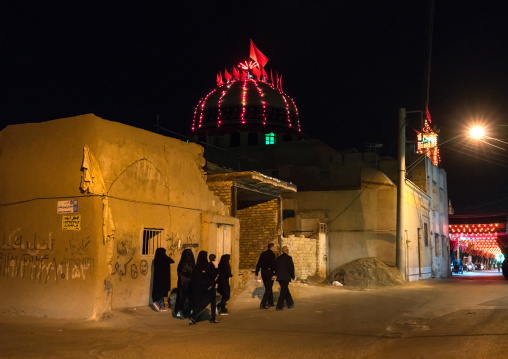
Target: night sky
(348, 66)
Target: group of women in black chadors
(198, 284)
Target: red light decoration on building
(220, 102)
(263, 102)
(427, 143)
(478, 239)
(272, 108)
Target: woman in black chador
(203, 287)
(185, 269)
(161, 278)
(223, 283)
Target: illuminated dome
(249, 102)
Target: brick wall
(258, 227)
(304, 252)
(222, 189)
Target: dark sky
(349, 66)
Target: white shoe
(156, 307)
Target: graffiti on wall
(130, 268)
(43, 268)
(177, 242)
(15, 241)
(30, 257)
(107, 286)
(127, 266)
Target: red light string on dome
(263, 102)
(219, 121)
(203, 107)
(297, 114)
(287, 107)
(195, 114)
(244, 101)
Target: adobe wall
(140, 180)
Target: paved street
(463, 316)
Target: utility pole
(399, 241)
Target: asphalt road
(465, 316)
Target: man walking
(285, 272)
(266, 263)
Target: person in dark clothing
(223, 286)
(285, 272)
(203, 284)
(266, 263)
(161, 278)
(185, 268)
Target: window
(436, 245)
(426, 234)
(270, 138)
(152, 239)
(252, 139)
(235, 139)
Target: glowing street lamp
(477, 132)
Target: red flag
(256, 72)
(218, 80)
(271, 76)
(243, 74)
(256, 55)
(236, 74)
(264, 73)
(277, 76)
(281, 82)
(227, 75)
(428, 116)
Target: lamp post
(399, 242)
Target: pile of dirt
(366, 273)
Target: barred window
(152, 239)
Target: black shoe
(263, 307)
(269, 305)
(278, 308)
(192, 322)
(290, 306)
(214, 321)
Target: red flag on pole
(227, 75)
(264, 73)
(243, 74)
(281, 82)
(257, 55)
(236, 74)
(256, 72)
(428, 116)
(218, 80)
(271, 76)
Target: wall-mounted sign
(71, 222)
(70, 206)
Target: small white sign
(70, 206)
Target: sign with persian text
(70, 206)
(71, 222)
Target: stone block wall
(258, 227)
(305, 253)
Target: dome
(248, 103)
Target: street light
(477, 132)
